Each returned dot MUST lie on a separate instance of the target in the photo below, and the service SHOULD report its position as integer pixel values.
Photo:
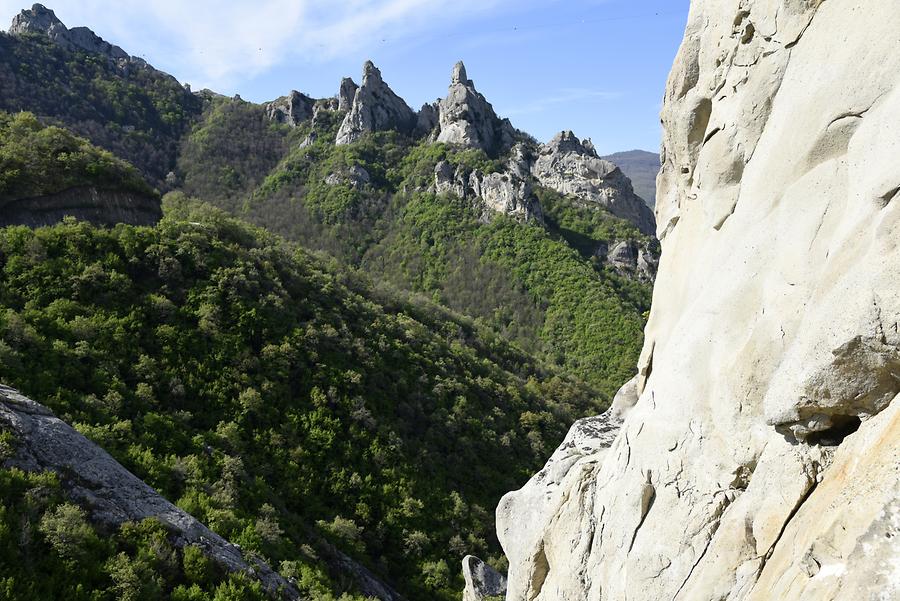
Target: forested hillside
(276, 397)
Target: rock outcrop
(100, 207)
(110, 493)
(483, 582)
(571, 166)
(467, 119)
(502, 192)
(293, 109)
(633, 258)
(346, 94)
(760, 459)
(41, 20)
(375, 107)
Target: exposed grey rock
(468, 119)
(355, 177)
(632, 257)
(41, 20)
(101, 207)
(493, 193)
(110, 493)
(428, 119)
(346, 94)
(375, 108)
(482, 581)
(570, 166)
(293, 109)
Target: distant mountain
(641, 168)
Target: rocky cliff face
(571, 166)
(375, 107)
(101, 207)
(467, 119)
(760, 457)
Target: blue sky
(597, 67)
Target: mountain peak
(41, 20)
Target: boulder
(375, 107)
(572, 167)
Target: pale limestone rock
(293, 109)
(41, 20)
(482, 581)
(492, 193)
(572, 167)
(346, 94)
(467, 119)
(761, 459)
(375, 107)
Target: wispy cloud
(562, 97)
(217, 43)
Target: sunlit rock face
(760, 458)
(375, 107)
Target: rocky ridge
(759, 460)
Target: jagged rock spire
(375, 107)
(346, 94)
(468, 119)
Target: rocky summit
(375, 107)
(755, 455)
(468, 119)
(571, 166)
(41, 20)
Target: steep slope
(39, 443)
(71, 77)
(278, 398)
(759, 460)
(641, 167)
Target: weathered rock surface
(111, 494)
(346, 94)
(467, 119)
(375, 107)
(293, 109)
(355, 177)
(571, 166)
(760, 460)
(100, 207)
(633, 258)
(504, 192)
(482, 581)
(41, 20)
